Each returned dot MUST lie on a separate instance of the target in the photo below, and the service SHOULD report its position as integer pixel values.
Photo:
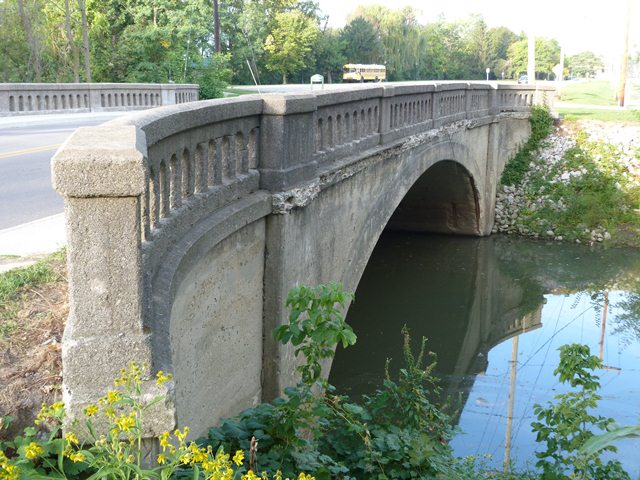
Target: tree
(289, 45)
(329, 53)
(362, 44)
(585, 64)
(547, 56)
(27, 17)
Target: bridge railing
(135, 187)
(38, 98)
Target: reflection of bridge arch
(188, 225)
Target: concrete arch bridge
(188, 224)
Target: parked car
(523, 79)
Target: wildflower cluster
(119, 414)
(8, 471)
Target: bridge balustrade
(40, 98)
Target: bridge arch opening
(444, 199)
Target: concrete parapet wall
(39, 98)
(188, 224)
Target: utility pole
(622, 84)
(531, 59)
(216, 26)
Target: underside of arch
(443, 200)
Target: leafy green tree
(585, 64)
(289, 45)
(212, 75)
(547, 56)
(329, 53)
(362, 44)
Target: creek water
(495, 311)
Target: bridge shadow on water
(469, 296)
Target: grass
(592, 92)
(13, 281)
(33, 310)
(625, 116)
(236, 92)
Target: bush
(541, 123)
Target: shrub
(565, 426)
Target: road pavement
(31, 218)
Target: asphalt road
(26, 147)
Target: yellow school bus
(358, 72)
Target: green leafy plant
(541, 123)
(566, 424)
(316, 325)
(114, 449)
(395, 433)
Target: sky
(579, 25)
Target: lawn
(592, 92)
(625, 116)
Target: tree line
(261, 41)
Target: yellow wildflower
(125, 423)
(8, 471)
(162, 459)
(77, 457)
(71, 438)
(198, 454)
(238, 457)
(33, 450)
(162, 378)
(164, 440)
(304, 476)
(250, 476)
(91, 410)
(113, 396)
(181, 435)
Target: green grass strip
(39, 273)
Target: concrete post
(287, 142)
(386, 112)
(101, 172)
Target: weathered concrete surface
(188, 225)
(220, 329)
(332, 239)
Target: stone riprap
(40, 98)
(515, 203)
(187, 225)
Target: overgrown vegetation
(114, 427)
(571, 187)
(394, 433)
(541, 126)
(33, 309)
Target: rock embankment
(534, 206)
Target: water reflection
(470, 297)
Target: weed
(541, 124)
(565, 425)
(41, 272)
